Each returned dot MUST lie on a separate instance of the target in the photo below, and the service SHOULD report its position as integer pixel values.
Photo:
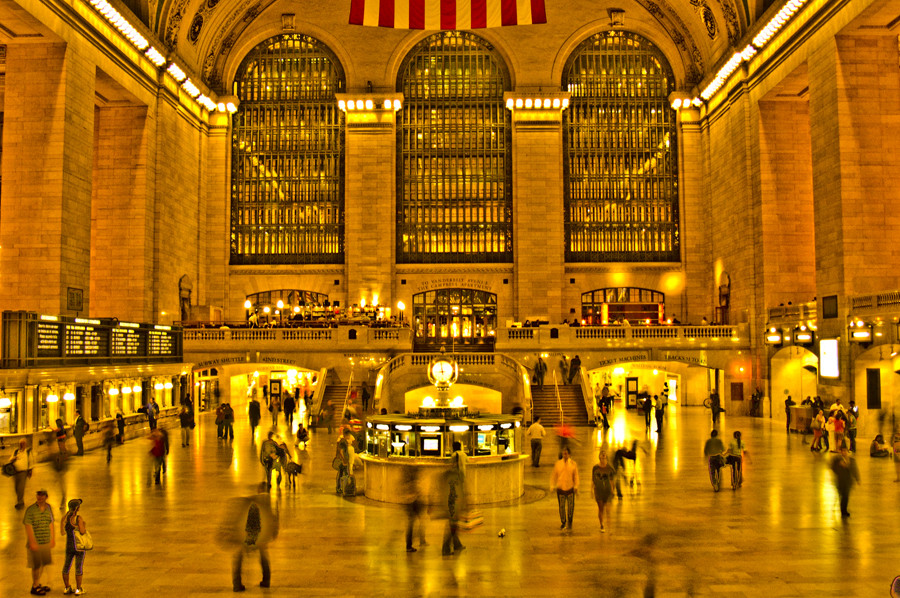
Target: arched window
(287, 155)
(454, 191)
(620, 160)
(454, 317)
(631, 304)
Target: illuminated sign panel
(829, 366)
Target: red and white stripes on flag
(446, 14)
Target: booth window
(620, 152)
(454, 170)
(636, 305)
(287, 155)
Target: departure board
(31, 339)
(48, 341)
(160, 342)
(126, 341)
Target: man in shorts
(41, 540)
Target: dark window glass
(287, 157)
(454, 191)
(620, 157)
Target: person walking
(788, 403)
(715, 405)
(23, 459)
(456, 499)
(647, 407)
(157, 454)
(574, 368)
(78, 431)
(342, 452)
(540, 370)
(268, 456)
(109, 439)
(602, 476)
(536, 434)
(818, 426)
(845, 472)
(228, 422)
(73, 521)
(852, 426)
(257, 526)
(152, 413)
(40, 540)
(414, 507)
(254, 414)
(564, 480)
(735, 457)
(220, 420)
(290, 406)
(661, 402)
(184, 418)
(120, 425)
(275, 408)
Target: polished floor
(671, 535)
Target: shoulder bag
(82, 541)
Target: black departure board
(35, 339)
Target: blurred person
(120, 425)
(456, 499)
(249, 525)
(565, 434)
(60, 433)
(878, 448)
(895, 447)
(220, 420)
(342, 451)
(78, 431)
(23, 459)
(845, 472)
(67, 526)
(602, 476)
(152, 413)
(647, 408)
(290, 406)
(165, 439)
(268, 456)
(574, 368)
(157, 454)
(275, 408)
(715, 405)
(619, 458)
(852, 425)
(661, 402)
(840, 425)
(735, 456)
(109, 439)
(414, 507)
(818, 426)
(254, 414)
(536, 434)
(184, 419)
(564, 480)
(540, 370)
(40, 540)
(228, 422)
(788, 403)
(302, 436)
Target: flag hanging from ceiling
(446, 14)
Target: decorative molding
(620, 267)
(287, 271)
(444, 269)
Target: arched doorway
(457, 319)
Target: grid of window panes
(454, 192)
(462, 314)
(287, 166)
(620, 160)
(623, 303)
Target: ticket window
(465, 441)
(486, 443)
(506, 441)
(380, 443)
(431, 445)
(400, 444)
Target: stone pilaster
(45, 209)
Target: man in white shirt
(536, 433)
(565, 481)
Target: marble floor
(671, 535)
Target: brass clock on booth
(443, 371)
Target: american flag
(446, 14)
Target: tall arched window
(287, 155)
(454, 191)
(621, 168)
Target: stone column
(693, 221)
(855, 133)
(538, 229)
(45, 208)
(370, 197)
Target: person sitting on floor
(878, 449)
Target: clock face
(442, 371)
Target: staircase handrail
(562, 415)
(587, 393)
(316, 406)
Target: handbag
(9, 469)
(83, 541)
(336, 463)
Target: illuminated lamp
(69, 396)
(168, 385)
(428, 402)
(387, 104)
(486, 428)
(137, 389)
(510, 103)
(539, 103)
(519, 103)
(459, 428)
(397, 105)
(456, 402)
(5, 403)
(803, 336)
(556, 102)
(158, 386)
(773, 336)
(528, 103)
(370, 105)
(382, 427)
(126, 390)
(506, 426)
(403, 427)
(247, 304)
(113, 391)
(52, 397)
(430, 428)
(860, 332)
